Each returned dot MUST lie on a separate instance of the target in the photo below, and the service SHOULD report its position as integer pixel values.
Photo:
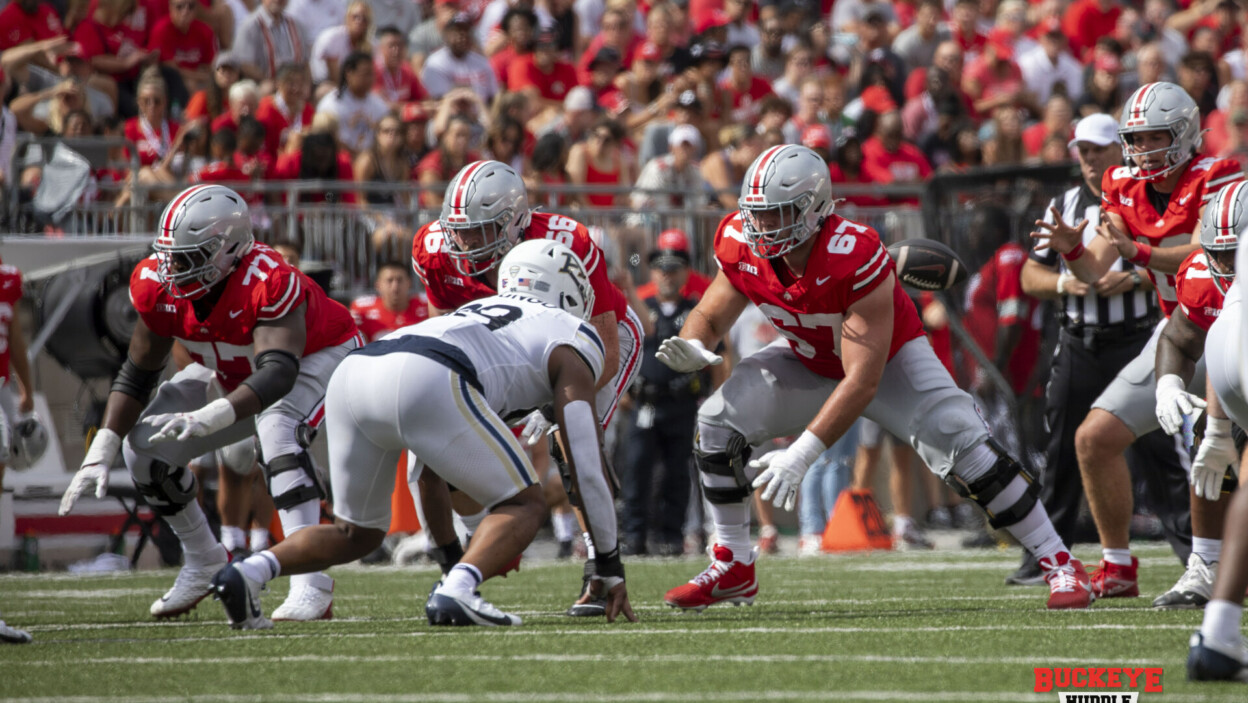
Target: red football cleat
(1069, 585)
(1115, 581)
(724, 581)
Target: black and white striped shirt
(1092, 309)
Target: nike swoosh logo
(821, 281)
(255, 607)
(235, 314)
(717, 592)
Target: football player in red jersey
(1151, 211)
(485, 212)
(392, 307)
(12, 356)
(1201, 283)
(853, 345)
(265, 340)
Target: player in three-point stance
(853, 345)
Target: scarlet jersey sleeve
(1199, 297)
(574, 235)
(1220, 173)
(1009, 283)
(276, 289)
(145, 294)
(10, 284)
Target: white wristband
(218, 415)
(808, 447)
(1217, 427)
(1062, 278)
(104, 448)
(1172, 382)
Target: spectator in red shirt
(244, 100)
(396, 82)
(599, 161)
(994, 79)
(316, 156)
(152, 132)
(393, 306)
(214, 100)
(1005, 146)
(948, 58)
(1057, 122)
(221, 168)
(113, 49)
(186, 44)
(1103, 91)
(542, 75)
(888, 158)
(519, 25)
(1228, 128)
(742, 89)
(847, 168)
(23, 21)
(440, 165)
(1085, 21)
(617, 33)
(415, 133)
(964, 28)
(288, 110)
(250, 157)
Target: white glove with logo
(1174, 402)
(94, 469)
(535, 427)
(686, 355)
(783, 469)
(212, 418)
(1216, 453)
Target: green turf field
(886, 627)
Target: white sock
(590, 552)
(260, 539)
(900, 522)
(473, 521)
(462, 580)
(1121, 557)
(233, 537)
(1208, 549)
(1036, 533)
(1221, 622)
(191, 527)
(564, 525)
(261, 566)
(732, 528)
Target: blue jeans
(831, 473)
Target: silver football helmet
(786, 194)
(548, 271)
(28, 443)
(1160, 106)
(484, 213)
(203, 234)
(1224, 221)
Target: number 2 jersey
(1129, 199)
(503, 345)
(262, 288)
(1199, 297)
(847, 262)
(447, 288)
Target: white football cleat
(240, 596)
(447, 609)
(194, 583)
(311, 598)
(12, 635)
(1194, 588)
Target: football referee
(1102, 327)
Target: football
(926, 264)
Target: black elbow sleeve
(275, 374)
(136, 382)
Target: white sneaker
(1193, 589)
(908, 536)
(447, 609)
(12, 635)
(193, 584)
(810, 545)
(240, 596)
(311, 598)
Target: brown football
(927, 264)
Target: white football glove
(686, 355)
(94, 469)
(783, 469)
(1174, 403)
(1216, 453)
(535, 425)
(210, 419)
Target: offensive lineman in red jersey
(1151, 216)
(392, 307)
(265, 340)
(853, 346)
(485, 212)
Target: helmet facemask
(1172, 155)
(1221, 259)
(775, 229)
(496, 237)
(187, 272)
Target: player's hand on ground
(617, 597)
(686, 355)
(1174, 403)
(93, 474)
(210, 419)
(1216, 453)
(1060, 236)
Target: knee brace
(168, 488)
(729, 463)
(299, 494)
(987, 487)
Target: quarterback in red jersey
(392, 307)
(13, 409)
(1151, 211)
(853, 345)
(265, 340)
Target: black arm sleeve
(275, 374)
(136, 382)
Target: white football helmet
(490, 197)
(786, 194)
(204, 232)
(1160, 106)
(550, 272)
(28, 443)
(1223, 223)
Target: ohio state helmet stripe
(763, 162)
(1229, 198)
(461, 188)
(167, 223)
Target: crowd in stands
(670, 95)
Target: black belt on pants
(1093, 337)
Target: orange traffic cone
(402, 510)
(856, 524)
